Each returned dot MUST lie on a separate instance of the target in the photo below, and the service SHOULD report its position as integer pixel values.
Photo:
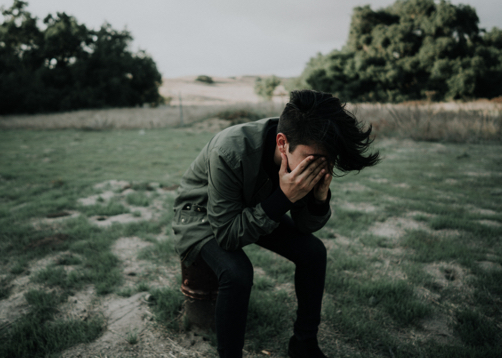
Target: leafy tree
(264, 87)
(411, 50)
(67, 66)
(205, 79)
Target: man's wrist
(276, 205)
(320, 201)
(318, 207)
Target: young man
(240, 187)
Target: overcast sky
(230, 37)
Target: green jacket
(221, 192)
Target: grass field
(414, 251)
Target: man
(240, 187)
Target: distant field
(453, 122)
(87, 264)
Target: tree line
(66, 66)
(411, 50)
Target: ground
(414, 251)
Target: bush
(411, 50)
(67, 66)
(239, 116)
(264, 87)
(205, 79)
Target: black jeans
(235, 275)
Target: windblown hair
(317, 118)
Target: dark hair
(318, 118)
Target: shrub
(264, 87)
(205, 79)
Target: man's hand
(303, 178)
(322, 187)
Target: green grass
(132, 337)
(160, 251)
(374, 304)
(269, 313)
(110, 209)
(37, 334)
(57, 276)
(167, 303)
(475, 330)
(138, 199)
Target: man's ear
(282, 142)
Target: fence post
(181, 110)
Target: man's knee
(315, 252)
(237, 275)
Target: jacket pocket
(191, 214)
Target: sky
(230, 37)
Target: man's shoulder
(244, 139)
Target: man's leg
(309, 255)
(235, 277)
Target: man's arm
(311, 216)
(314, 211)
(233, 224)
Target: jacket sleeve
(234, 225)
(306, 220)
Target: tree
(264, 87)
(205, 79)
(411, 50)
(67, 66)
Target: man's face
(300, 153)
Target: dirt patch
(119, 191)
(337, 241)
(401, 185)
(132, 332)
(449, 275)
(113, 185)
(127, 250)
(427, 295)
(490, 223)
(52, 221)
(395, 227)
(81, 305)
(354, 186)
(438, 328)
(130, 327)
(107, 221)
(11, 309)
(379, 180)
(490, 266)
(97, 198)
(14, 306)
(126, 319)
(475, 210)
(478, 174)
(388, 269)
(363, 207)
